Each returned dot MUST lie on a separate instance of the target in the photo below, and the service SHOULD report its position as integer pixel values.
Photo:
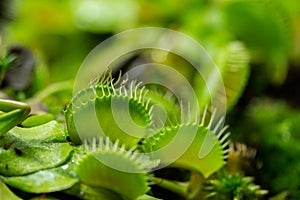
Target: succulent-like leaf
(36, 120)
(49, 180)
(27, 150)
(48, 132)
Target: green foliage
(280, 138)
(235, 187)
(5, 193)
(27, 150)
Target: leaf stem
(196, 184)
(176, 187)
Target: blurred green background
(63, 32)
(266, 116)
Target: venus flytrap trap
(129, 180)
(101, 148)
(168, 113)
(94, 164)
(102, 97)
(206, 154)
(233, 64)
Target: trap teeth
(95, 116)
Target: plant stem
(196, 183)
(171, 185)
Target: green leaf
(49, 132)
(147, 197)
(50, 180)
(36, 120)
(5, 193)
(27, 150)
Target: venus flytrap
(38, 157)
(94, 169)
(206, 139)
(233, 65)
